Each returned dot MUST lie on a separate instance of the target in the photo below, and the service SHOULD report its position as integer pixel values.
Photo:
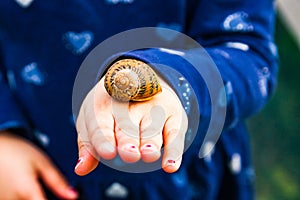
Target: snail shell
(131, 80)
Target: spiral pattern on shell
(131, 80)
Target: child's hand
(134, 130)
(23, 166)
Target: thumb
(88, 159)
(54, 180)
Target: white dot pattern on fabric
(237, 45)
(235, 164)
(222, 53)
(116, 190)
(238, 22)
(263, 76)
(77, 43)
(273, 49)
(119, 1)
(171, 51)
(24, 3)
(31, 74)
(224, 99)
(186, 93)
(42, 138)
(208, 151)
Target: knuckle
(129, 127)
(150, 133)
(83, 145)
(95, 131)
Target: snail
(131, 80)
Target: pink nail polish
(73, 193)
(72, 190)
(130, 148)
(149, 148)
(171, 163)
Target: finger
(35, 192)
(151, 128)
(88, 158)
(87, 161)
(54, 180)
(174, 134)
(100, 122)
(127, 132)
(100, 128)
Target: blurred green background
(275, 130)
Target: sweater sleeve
(11, 116)
(238, 35)
(237, 46)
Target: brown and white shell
(131, 80)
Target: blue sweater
(44, 43)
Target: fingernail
(171, 162)
(148, 147)
(130, 147)
(79, 162)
